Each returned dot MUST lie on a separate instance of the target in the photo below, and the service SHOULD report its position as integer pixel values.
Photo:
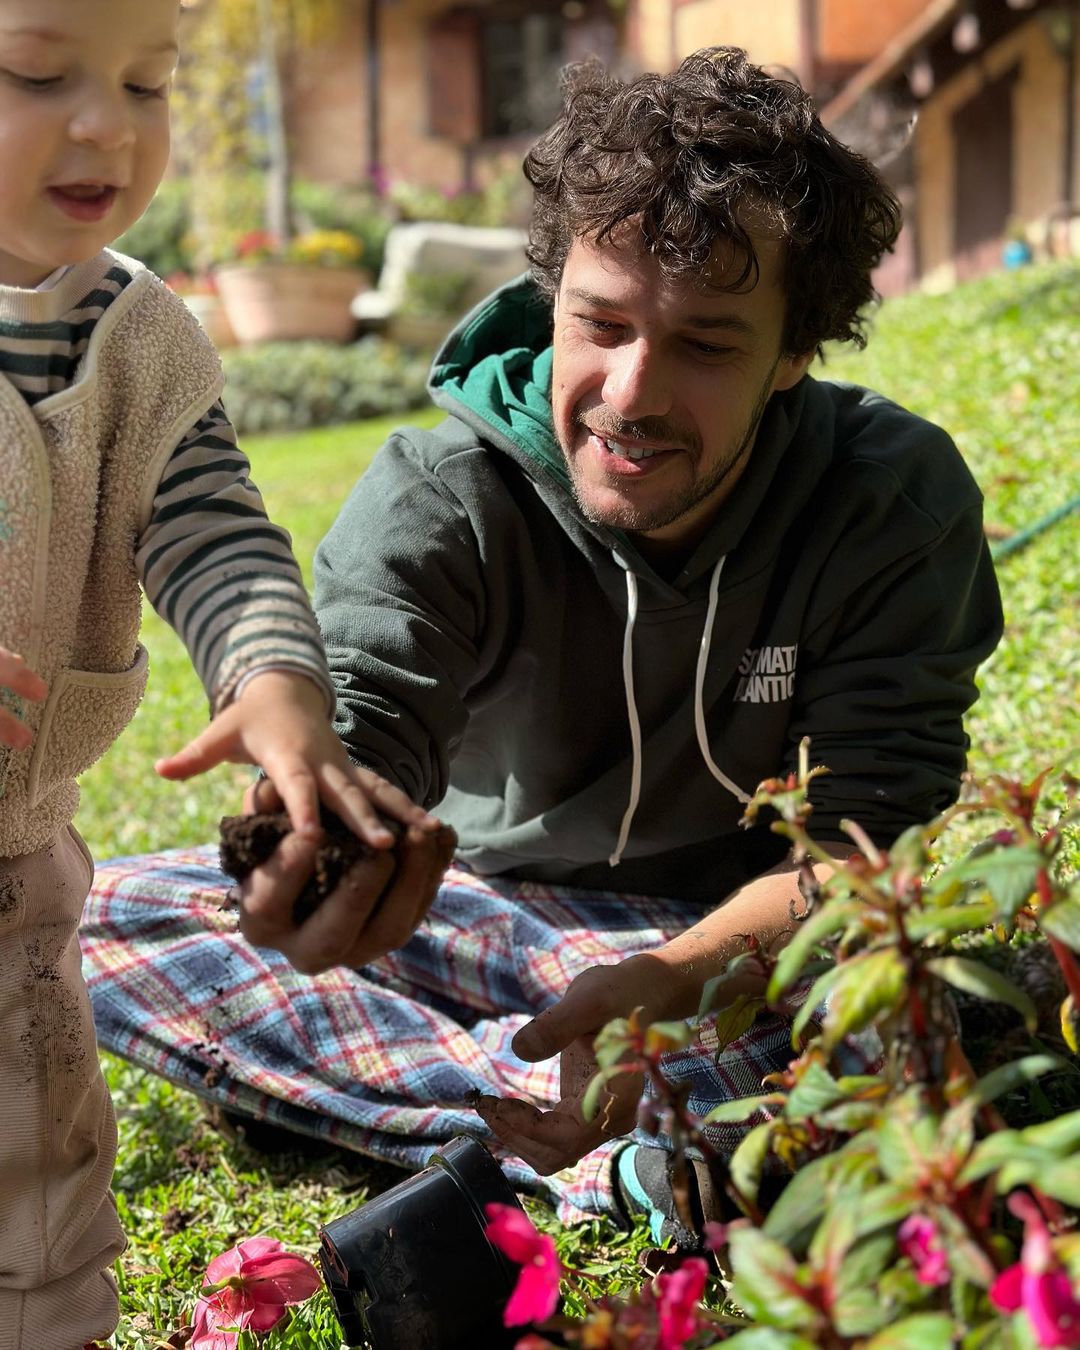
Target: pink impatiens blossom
(1038, 1282)
(920, 1241)
(248, 1289)
(676, 1303)
(537, 1290)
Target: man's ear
(790, 370)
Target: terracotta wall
(1038, 136)
(853, 31)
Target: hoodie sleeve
(400, 600)
(890, 672)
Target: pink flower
(1038, 1283)
(676, 1303)
(537, 1290)
(919, 1241)
(248, 1289)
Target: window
(521, 58)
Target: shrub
(916, 1217)
(280, 386)
(497, 203)
(160, 238)
(352, 210)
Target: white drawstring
(699, 687)
(699, 709)
(632, 717)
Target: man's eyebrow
(734, 323)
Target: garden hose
(1025, 536)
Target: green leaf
(1061, 1180)
(818, 994)
(1062, 921)
(1007, 873)
(974, 978)
(864, 1264)
(749, 1158)
(766, 1282)
(736, 1018)
(871, 983)
(742, 1108)
(849, 1117)
(815, 1090)
(833, 916)
(905, 1141)
(803, 1199)
(923, 924)
(883, 1206)
(921, 1331)
(991, 1153)
(1010, 1076)
(612, 1042)
(859, 1311)
(834, 1236)
(1061, 1136)
(769, 1338)
(594, 1093)
(712, 989)
(667, 1036)
(995, 1335)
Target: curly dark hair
(719, 149)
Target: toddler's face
(84, 125)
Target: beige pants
(59, 1233)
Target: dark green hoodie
(479, 630)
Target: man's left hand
(551, 1140)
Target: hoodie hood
(494, 373)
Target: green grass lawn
(996, 362)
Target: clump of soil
(248, 841)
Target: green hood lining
(496, 365)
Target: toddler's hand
(17, 677)
(279, 722)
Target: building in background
(969, 106)
(995, 89)
(442, 92)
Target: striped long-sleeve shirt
(208, 536)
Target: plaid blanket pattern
(379, 1060)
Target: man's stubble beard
(638, 521)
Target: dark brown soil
(248, 841)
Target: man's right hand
(379, 904)
(16, 676)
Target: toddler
(118, 467)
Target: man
(644, 555)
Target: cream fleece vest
(78, 476)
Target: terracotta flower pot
(210, 312)
(273, 301)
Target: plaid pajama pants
(380, 1059)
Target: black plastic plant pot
(413, 1270)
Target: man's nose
(638, 383)
(104, 119)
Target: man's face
(84, 125)
(659, 386)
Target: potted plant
(302, 289)
(274, 281)
(432, 304)
(200, 294)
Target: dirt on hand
(248, 841)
